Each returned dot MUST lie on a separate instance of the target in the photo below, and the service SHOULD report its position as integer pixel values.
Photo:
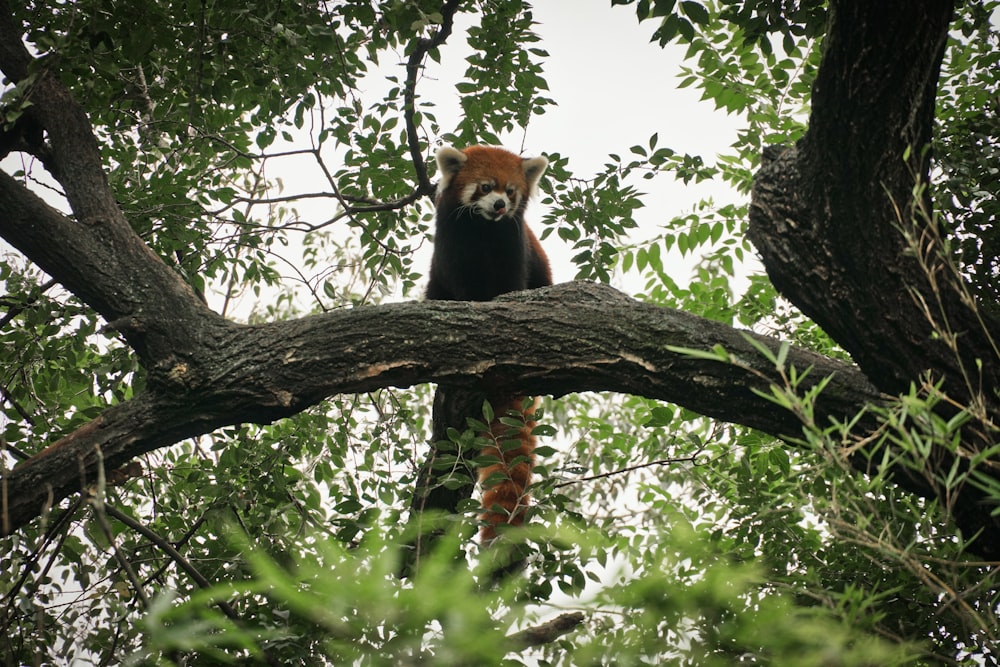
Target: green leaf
(695, 11)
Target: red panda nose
(499, 205)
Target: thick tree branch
(547, 632)
(842, 220)
(97, 256)
(573, 337)
(844, 225)
(109, 267)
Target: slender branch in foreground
(621, 471)
(58, 527)
(96, 500)
(176, 556)
(413, 65)
(547, 632)
(183, 563)
(176, 546)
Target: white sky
(613, 89)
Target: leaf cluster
(682, 541)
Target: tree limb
(205, 372)
(97, 255)
(567, 338)
(844, 225)
(843, 220)
(547, 632)
(107, 265)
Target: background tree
(198, 483)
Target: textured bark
(824, 217)
(442, 484)
(828, 215)
(572, 337)
(547, 632)
(843, 224)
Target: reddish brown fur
(486, 162)
(507, 501)
(477, 258)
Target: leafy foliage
(969, 141)
(683, 541)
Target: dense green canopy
(218, 443)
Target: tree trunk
(826, 217)
(844, 224)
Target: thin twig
(32, 560)
(622, 471)
(16, 310)
(167, 548)
(97, 503)
(176, 545)
(413, 66)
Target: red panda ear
(450, 161)
(533, 170)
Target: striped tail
(505, 496)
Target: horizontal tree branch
(562, 339)
(547, 632)
(831, 251)
(205, 372)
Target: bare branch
(547, 632)
(358, 204)
(174, 555)
(566, 338)
(623, 471)
(413, 66)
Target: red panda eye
(510, 192)
(486, 187)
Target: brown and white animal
(482, 249)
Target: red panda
(482, 249)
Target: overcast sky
(614, 88)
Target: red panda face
(494, 183)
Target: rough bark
(829, 215)
(572, 337)
(443, 484)
(547, 632)
(824, 216)
(843, 223)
